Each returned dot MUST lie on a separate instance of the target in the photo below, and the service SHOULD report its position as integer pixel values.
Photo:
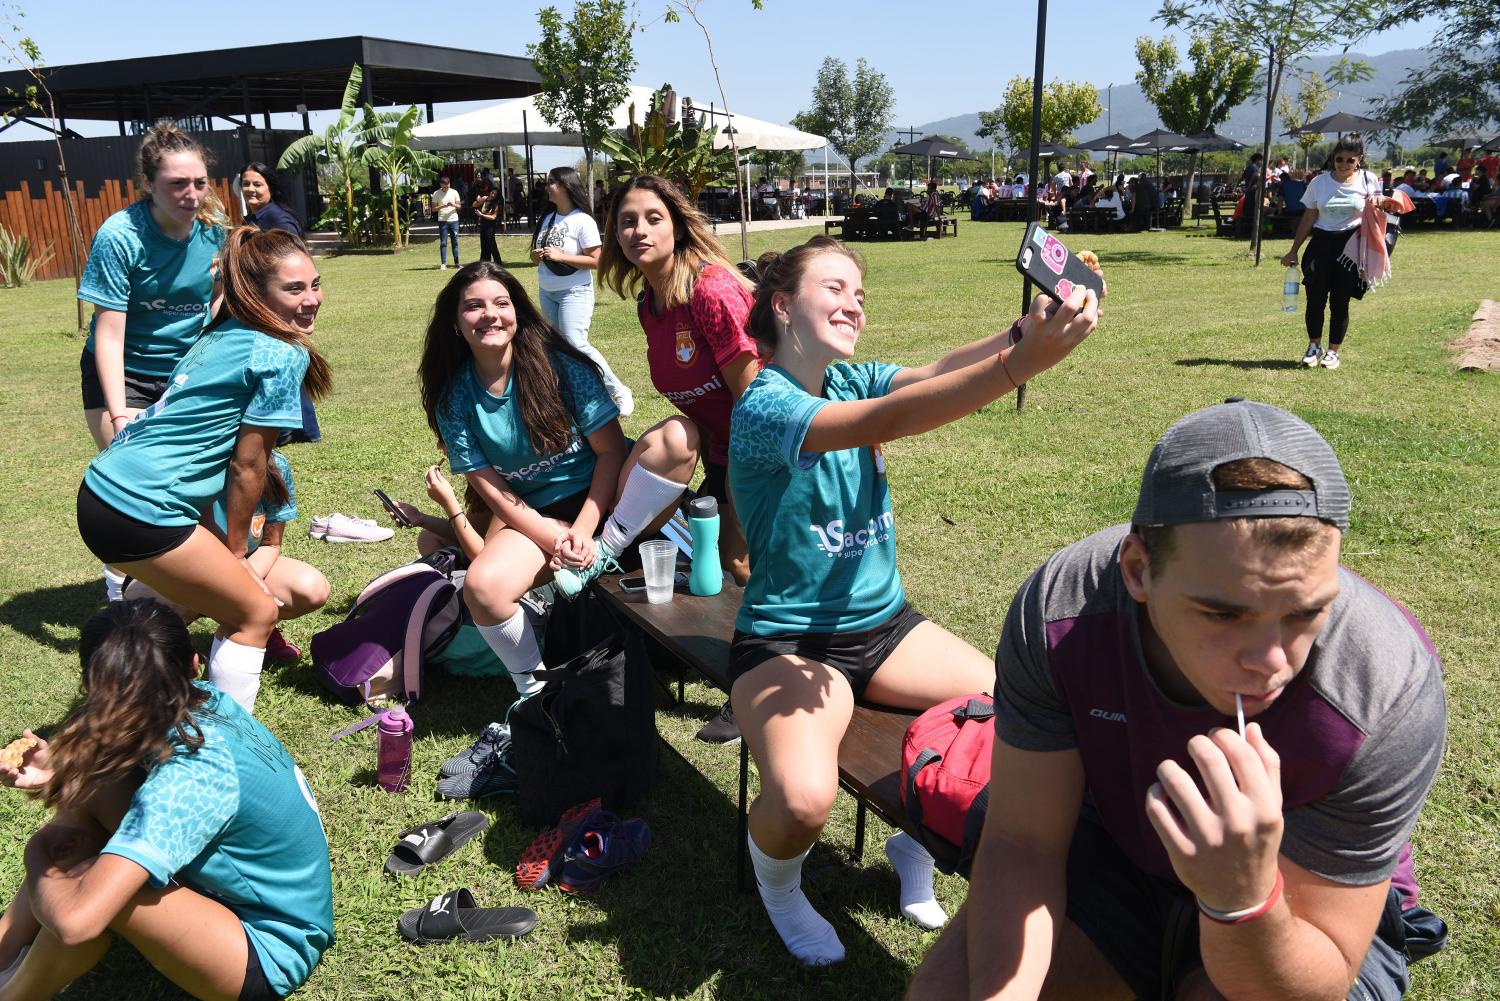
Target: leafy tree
(1313, 94)
(585, 64)
(1199, 99)
(1460, 86)
(37, 97)
(1279, 32)
(853, 114)
(1065, 106)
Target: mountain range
(1131, 114)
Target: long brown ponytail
(251, 258)
(137, 706)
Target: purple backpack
(377, 653)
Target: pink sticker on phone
(1064, 289)
(1054, 254)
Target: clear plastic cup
(659, 561)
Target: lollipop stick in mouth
(1239, 713)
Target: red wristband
(1249, 913)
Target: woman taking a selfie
(825, 621)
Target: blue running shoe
(570, 582)
(601, 849)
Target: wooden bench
(697, 632)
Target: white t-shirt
(1340, 205)
(1111, 202)
(1063, 178)
(446, 204)
(572, 234)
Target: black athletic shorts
(857, 656)
(715, 482)
(256, 986)
(567, 509)
(1147, 927)
(118, 538)
(140, 390)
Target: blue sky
(769, 58)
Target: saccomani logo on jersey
(841, 544)
(158, 305)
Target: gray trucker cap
(1178, 487)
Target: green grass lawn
(979, 505)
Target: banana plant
(339, 144)
(388, 148)
(680, 152)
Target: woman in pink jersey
(693, 304)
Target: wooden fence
(44, 218)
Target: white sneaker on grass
(1330, 359)
(1314, 352)
(339, 527)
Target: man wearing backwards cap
(1137, 845)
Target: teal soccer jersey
(163, 286)
(168, 464)
(266, 513)
(819, 526)
(236, 821)
(480, 429)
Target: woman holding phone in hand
(211, 435)
(525, 417)
(825, 621)
(150, 277)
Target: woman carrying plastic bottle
(825, 621)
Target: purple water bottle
(395, 749)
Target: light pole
(1109, 102)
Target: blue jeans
(447, 231)
(570, 311)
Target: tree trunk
(588, 169)
(1273, 85)
(396, 211)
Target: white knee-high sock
(514, 642)
(913, 864)
(234, 669)
(114, 583)
(645, 496)
(806, 933)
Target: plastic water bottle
(1289, 289)
(395, 750)
(707, 576)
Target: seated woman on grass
(180, 824)
(525, 417)
(298, 587)
(211, 435)
(825, 621)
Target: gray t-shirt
(1359, 731)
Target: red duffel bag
(945, 768)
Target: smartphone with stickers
(1048, 262)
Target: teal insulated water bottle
(706, 577)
